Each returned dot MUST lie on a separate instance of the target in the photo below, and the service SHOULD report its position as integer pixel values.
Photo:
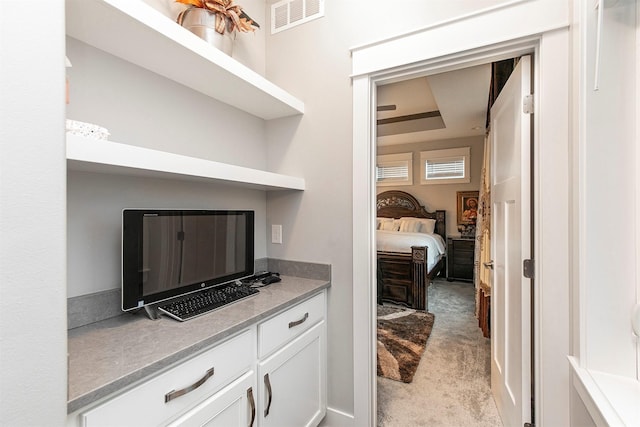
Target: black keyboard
(199, 303)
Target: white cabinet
(220, 387)
(292, 382)
(292, 366)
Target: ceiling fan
(409, 117)
(389, 107)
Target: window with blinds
(394, 169)
(445, 166)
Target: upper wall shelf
(91, 155)
(135, 32)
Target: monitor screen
(167, 253)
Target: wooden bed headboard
(396, 204)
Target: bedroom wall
(439, 196)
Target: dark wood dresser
(460, 257)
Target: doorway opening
(423, 124)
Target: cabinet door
(292, 382)
(234, 405)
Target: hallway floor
(452, 384)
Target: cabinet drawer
(464, 256)
(462, 271)
(463, 245)
(145, 404)
(231, 406)
(276, 331)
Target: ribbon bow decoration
(225, 11)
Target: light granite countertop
(106, 356)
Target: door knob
(488, 264)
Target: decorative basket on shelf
(216, 21)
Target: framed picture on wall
(467, 207)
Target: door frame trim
(547, 48)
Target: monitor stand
(152, 312)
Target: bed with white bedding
(399, 241)
(410, 249)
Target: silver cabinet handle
(488, 264)
(252, 403)
(267, 384)
(177, 393)
(298, 322)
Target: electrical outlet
(276, 233)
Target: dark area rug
(402, 336)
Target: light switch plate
(276, 233)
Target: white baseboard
(336, 418)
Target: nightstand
(460, 257)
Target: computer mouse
(271, 279)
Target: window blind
(445, 168)
(394, 169)
(392, 172)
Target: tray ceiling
(460, 97)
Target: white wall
(439, 196)
(609, 195)
(605, 202)
(144, 109)
(313, 62)
(95, 203)
(33, 338)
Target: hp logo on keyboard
(202, 285)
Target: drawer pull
(267, 384)
(298, 322)
(177, 393)
(252, 403)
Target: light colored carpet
(452, 384)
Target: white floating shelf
(91, 155)
(136, 32)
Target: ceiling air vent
(289, 13)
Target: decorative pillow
(386, 224)
(409, 226)
(428, 226)
(423, 225)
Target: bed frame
(403, 277)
